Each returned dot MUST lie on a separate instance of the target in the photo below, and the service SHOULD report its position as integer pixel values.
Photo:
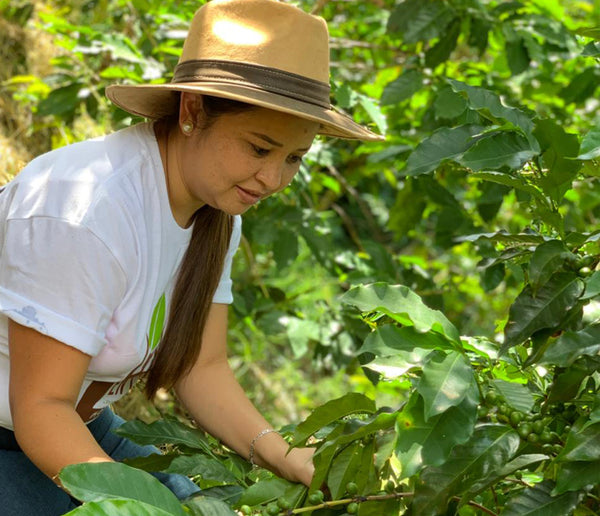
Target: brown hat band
(255, 76)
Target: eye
(294, 159)
(260, 151)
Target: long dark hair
(197, 279)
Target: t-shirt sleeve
(61, 280)
(223, 293)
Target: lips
(249, 196)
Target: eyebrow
(270, 140)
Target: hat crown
(268, 33)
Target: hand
(297, 465)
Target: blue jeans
(26, 491)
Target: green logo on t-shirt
(156, 323)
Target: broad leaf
(420, 20)
(516, 182)
(403, 305)
(208, 506)
(91, 482)
(421, 443)
(265, 491)
(389, 339)
(496, 152)
(351, 403)
(153, 462)
(571, 345)
(445, 382)
(538, 501)
(520, 462)
(164, 431)
(547, 259)
(118, 508)
(489, 449)
(590, 145)
(546, 309)
(443, 145)
(449, 104)
(573, 476)
(583, 445)
(203, 466)
(517, 395)
(402, 88)
(480, 98)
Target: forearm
(55, 436)
(218, 404)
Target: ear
(191, 109)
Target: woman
(113, 246)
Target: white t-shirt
(89, 252)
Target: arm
(45, 378)
(218, 404)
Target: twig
(477, 506)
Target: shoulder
(69, 182)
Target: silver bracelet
(260, 434)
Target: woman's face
(242, 158)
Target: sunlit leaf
(538, 501)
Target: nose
(271, 175)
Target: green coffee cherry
(351, 488)
(491, 397)
(533, 438)
(245, 509)
(390, 486)
(316, 498)
(284, 503)
(538, 426)
(524, 429)
(272, 509)
(352, 508)
(516, 417)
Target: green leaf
(517, 56)
(208, 506)
(517, 395)
(518, 463)
(429, 443)
(571, 345)
(590, 145)
(592, 49)
(345, 467)
(118, 508)
(91, 482)
(490, 448)
(573, 476)
(449, 104)
(156, 323)
(403, 305)
(443, 145)
(61, 101)
(203, 466)
(164, 431)
(153, 462)
(502, 237)
(583, 445)
(482, 99)
(518, 183)
(402, 88)
(389, 340)
(351, 403)
(538, 501)
(420, 20)
(547, 259)
(374, 112)
(530, 313)
(265, 491)
(446, 380)
(497, 151)
(592, 286)
(441, 51)
(581, 87)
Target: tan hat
(262, 52)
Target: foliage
(465, 247)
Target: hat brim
(158, 100)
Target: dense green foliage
(465, 247)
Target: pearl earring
(187, 127)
